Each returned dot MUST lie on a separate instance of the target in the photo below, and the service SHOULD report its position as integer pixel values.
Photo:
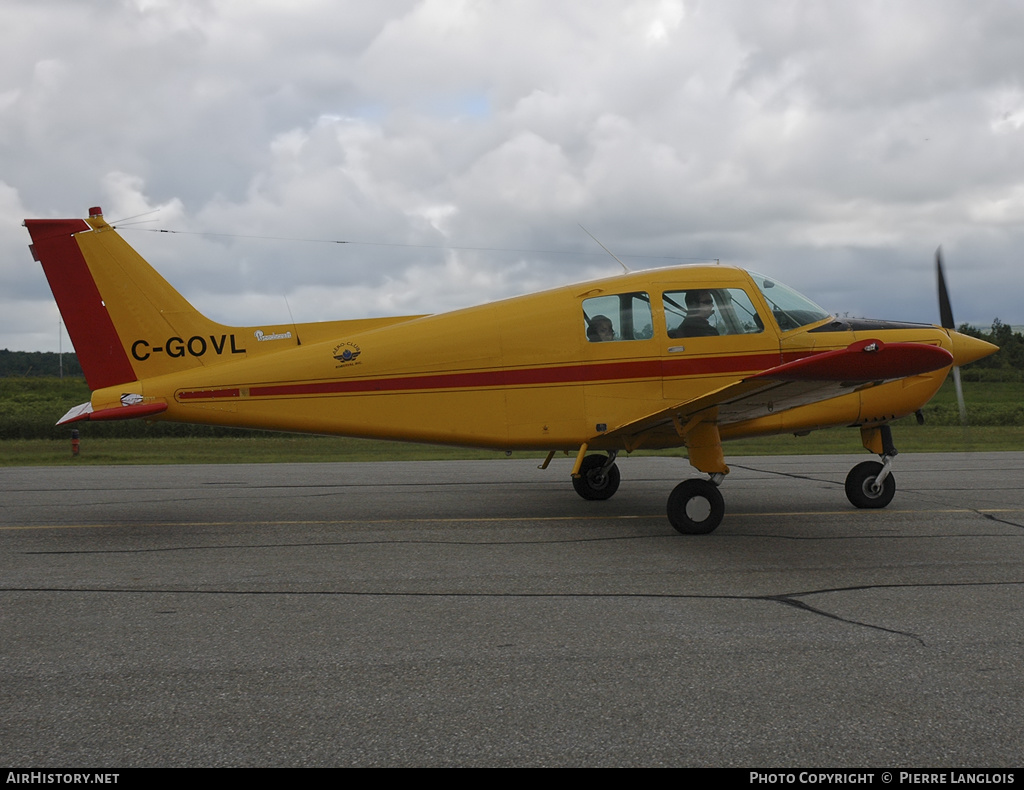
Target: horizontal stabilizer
(134, 411)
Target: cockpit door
(715, 333)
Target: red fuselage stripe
(514, 377)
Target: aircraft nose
(968, 349)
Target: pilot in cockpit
(699, 308)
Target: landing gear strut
(871, 484)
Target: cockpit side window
(710, 312)
(791, 310)
(618, 317)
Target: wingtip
(78, 413)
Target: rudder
(99, 350)
(125, 320)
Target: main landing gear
(696, 507)
(871, 484)
(598, 477)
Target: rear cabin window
(710, 312)
(618, 317)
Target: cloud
(461, 143)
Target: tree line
(1005, 365)
(45, 364)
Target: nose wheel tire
(860, 486)
(593, 483)
(696, 507)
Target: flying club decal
(346, 353)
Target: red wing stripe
(865, 360)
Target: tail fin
(128, 323)
(125, 320)
(99, 350)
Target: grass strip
(276, 448)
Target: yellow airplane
(690, 357)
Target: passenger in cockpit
(600, 329)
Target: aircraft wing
(813, 379)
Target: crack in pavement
(790, 600)
(990, 517)
(791, 475)
(786, 599)
(922, 494)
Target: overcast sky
(831, 145)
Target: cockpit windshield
(790, 309)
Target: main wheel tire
(859, 486)
(592, 482)
(696, 507)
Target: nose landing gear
(870, 484)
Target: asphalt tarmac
(481, 614)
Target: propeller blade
(960, 396)
(945, 311)
(946, 319)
